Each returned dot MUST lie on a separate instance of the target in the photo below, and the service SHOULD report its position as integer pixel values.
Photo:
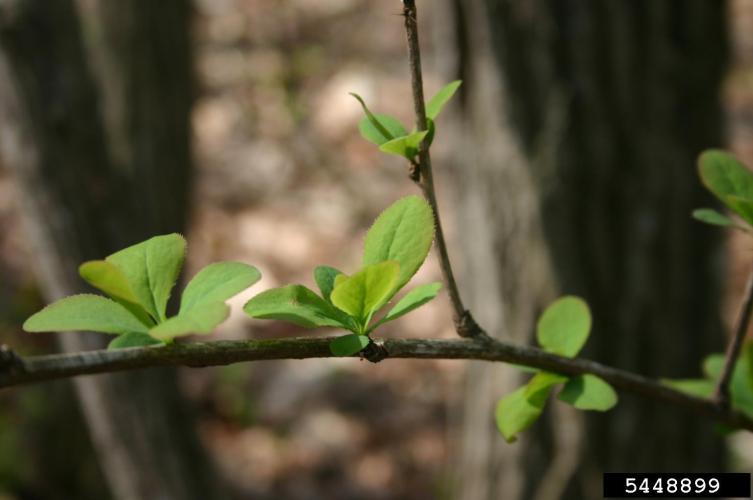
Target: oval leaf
(365, 292)
(201, 319)
(405, 146)
(543, 381)
(348, 345)
(516, 412)
(564, 326)
(403, 233)
(726, 177)
(436, 103)
(152, 267)
(132, 339)
(325, 278)
(589, 392)
(390, 125)
(412, 300)
(217, 283)
(84, 312)
(711, 216)
(295, 304)
(107, 277)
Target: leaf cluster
(138, 281)
(394, 249)
(732, 183)
(562, 329)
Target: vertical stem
(422, 174)
(735, 344)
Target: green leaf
(403, 233)
(390, 125)
(740, 387)
(742, 206)
(295, 304)
(405, 146)
(564, 326)
(378, 128)
(436, 103)
(132, 339)
(543, 381)
(325, 277)
(517, 412)
(412, 300)
(107, 277)
(217, 283)
(703, 388)
(589, 392)
(348, 344)
(711, 216)
(152, 267)
(200, 319)
(365, 292)
(85, 312)
(727, 178)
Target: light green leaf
(390, 125)
(363, 293)
(412, 300)
(516, 412)
(132, 339)
(742, 206)
(152, 267)
(325, 278)
(348, 344)
(564, 326)
(217, 283)
(703, 388)
(403, 233)
(378, 128)
(405, 146)
(711, 216)
(726, 177)
(589, 392)
(295, 304)
(85, 312)
(543, 381)
(200, 319)
(110, 279)
(436, 103)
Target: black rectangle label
(680, 485)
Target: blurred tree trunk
(97, 178)
(583, 120)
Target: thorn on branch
(374, 352)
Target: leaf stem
(465, 325)
(721, 394)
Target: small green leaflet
(412, 300)
(436, 103)
(348, 345)
(378, 128)
(152, 268)
(516, 412)
(543, 381)
(711, 216)
(132, 339)
(295, 304)
(362, 294)
(564, 327)
(405, 146)
(109, 278)
(729, 180)
(85, 312)
(403, 233)
(218, 282)
(703, 388)
(589, 392)
(325, 277)
(200, 319)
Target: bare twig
(195, 354)
(721, 394)
(421, 173)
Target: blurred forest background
(565, 165)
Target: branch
(422, 174)
(198, 354)
(721, 394)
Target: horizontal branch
(15, 370)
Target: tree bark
(89, 190)
(585, 118)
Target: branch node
(467, 327)
(375, 352)
(414, 172)
(9, 361)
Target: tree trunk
(89, 190)
(585, 118)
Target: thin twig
(197, 354)
(721, 394)
(422, 174)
